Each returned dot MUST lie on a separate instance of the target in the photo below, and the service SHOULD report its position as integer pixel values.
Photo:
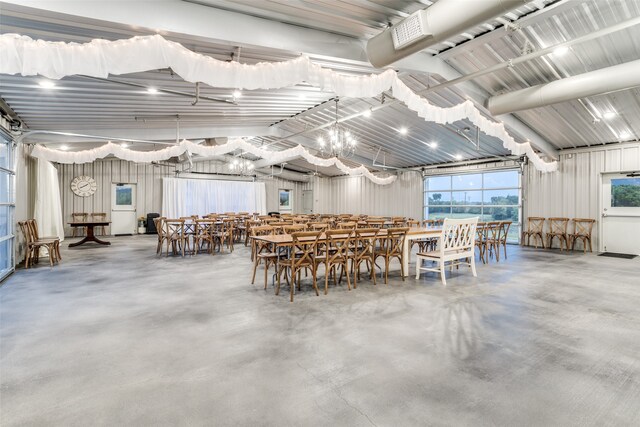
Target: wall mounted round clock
(83, 186)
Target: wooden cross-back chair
(290, 229)
(262, 252)
(505, 226)
(481, 242)
(337, 253)
(224, 233)
(249, 224)
(582, 229)
(161, 233)
(34, 243)
(317, 226)
(457, 242)
(175, 235)
(204, 234)
(492, 239)
(558, 228)
(377, 223)
(346, 225)
(302, 256)
(78, 217)
(99, 216)
(535, 229)
(391, 247)
(364, 252)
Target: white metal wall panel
(358, 195)
(574, 190)
(149, 181)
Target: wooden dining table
(90, 236)
(414, 233)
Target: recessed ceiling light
(624, 135)
(64, 147)
(560, 51)
(47, 84)
(367, 113)
(433, 144)
(609, 115)
(458, 156)
(237, 94)
(403, 130)
(152, 90)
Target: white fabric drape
(99, 58)
(48, 208)
(185, 197)
(88, 156)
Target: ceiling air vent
(411, 30)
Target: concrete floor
(117, 336)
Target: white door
(123, 209)
(620, 232)
(307, 201)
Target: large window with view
(6, 206)
(491, 196)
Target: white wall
(358, 195)
(149, 186)
(573, 191)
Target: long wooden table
(414, 233)
(90, 237)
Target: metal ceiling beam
(170, 133)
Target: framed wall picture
(284, 200)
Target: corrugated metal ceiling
(578, 122)
(79, 103)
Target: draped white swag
(186, 197)
(99, 58)
(88, 156)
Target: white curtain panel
(186, 197)
(48, 208)
(99, 58)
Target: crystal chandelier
(241, 166)
(338, 142)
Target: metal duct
(285, 174)
(606, 80)
(444, 19)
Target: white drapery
(88, 156)
(99, 58)
(48, 208)
(186, 197)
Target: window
(6, 206)
(625, 193)
(492, 196)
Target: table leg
(406, 251)
(90, 237)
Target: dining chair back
(302, 256)
(78, 217)
(99, 216)
(177, 239)
(204, 234)
(337, 253)
(364, 252)
(535, 229)
(457, 242)
(558, 228)
(582, 229)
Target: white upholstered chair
(456, 246)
